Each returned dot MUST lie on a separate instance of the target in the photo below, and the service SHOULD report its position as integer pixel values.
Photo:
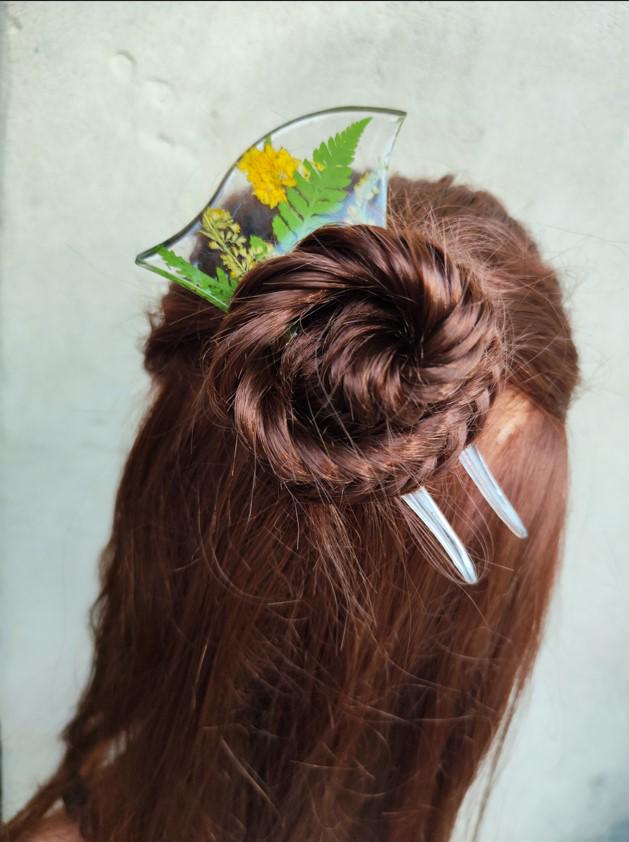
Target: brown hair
(278, 653)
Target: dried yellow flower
(270, 171)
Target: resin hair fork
(330, 167)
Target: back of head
(278, 651)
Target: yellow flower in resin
(270, 172)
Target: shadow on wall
(619, 832)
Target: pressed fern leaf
(324, 189)
(216, 289)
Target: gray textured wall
(121, 118)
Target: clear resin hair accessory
(429, 512)
(486, 483)
(328, 167)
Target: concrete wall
(121, 118)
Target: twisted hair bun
(362, 362)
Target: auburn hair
(280, 650)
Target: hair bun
(363, 361)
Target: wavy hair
(278, 654)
